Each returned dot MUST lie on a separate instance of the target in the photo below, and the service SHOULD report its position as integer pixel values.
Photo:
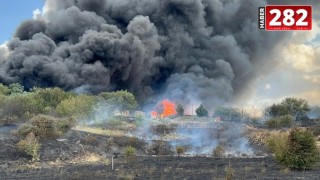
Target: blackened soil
(167, 167)
(15, 165)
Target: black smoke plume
(186, 50)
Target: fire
(154, 114)
(166, 107)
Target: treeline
(48, 113)
(281, 114)
(17, 105)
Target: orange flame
(168, 108)
(154, 114)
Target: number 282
(288, 19)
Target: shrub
(122, 100)
(46, 127)
(9, 120)
(4, 90)
(16, 88)
(302, 150)
(30, 145)
(26, 129)
(296, 150)
(65, 124)
(130, 152)
(91, 140)
(139, 119)
(114, 122)
(201, 111)
(315, 130)
(273, 123)
(277, 143)
(218, 151)
(280, 122)
(229, 173)
(78, 107)
(20, 105)
(181, 150)
(51, 97)
(286, 121)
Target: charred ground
(81, 154)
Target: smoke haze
(186, 50)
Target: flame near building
(164, 109)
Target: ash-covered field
(86, 152)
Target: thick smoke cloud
(187, 50)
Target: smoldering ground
(204, 50)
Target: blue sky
(13, 12)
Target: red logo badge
(285, 18)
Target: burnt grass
(146, 165)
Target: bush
(78, 107)
(91, 140)
(30, 145)
(139, 119)
(229, 173)
(302, 150)
(50, 97)
(122, 100)
(277, 143)
(46, 127)
(280, 122)
(181, 150)
(296, 150)
(114, 122)
(315, 130)
(9, 120)
(65, 124)
(218, 151)
(273, 123)
(4, 90)
(286, 121)
(130, 152)
(20, 105)
(16, 88)
(201, 111)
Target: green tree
(16, 88)
(201, 111)
(122, 100)
(4, 90)
(78, 107)
(20, 105)
(51, 97)
(297, 108)
(277, 110)
(180, 109)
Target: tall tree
(180, 109)
(123, 100)
(201, 111)
(298, 108)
